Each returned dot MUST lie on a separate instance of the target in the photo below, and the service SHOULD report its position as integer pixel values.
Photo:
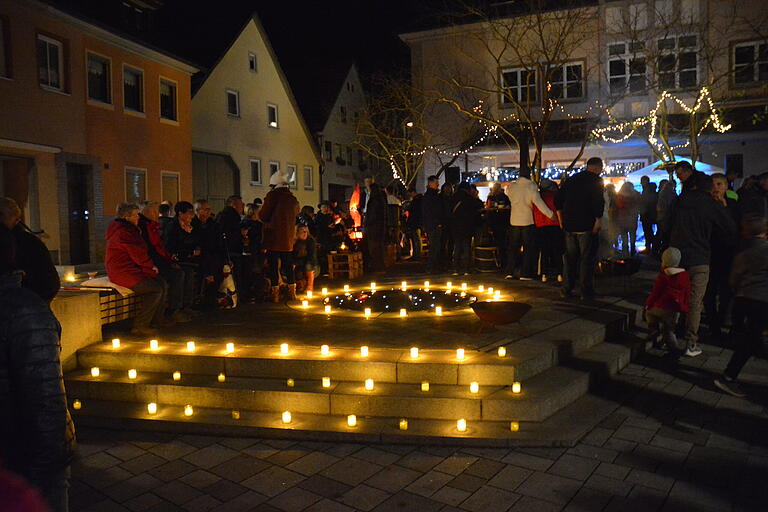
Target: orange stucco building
(88, 119)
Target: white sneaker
(693, 351)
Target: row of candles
(404, 286)
(287, 418)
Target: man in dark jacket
(648, 201)
(40, 274)
(37, 436)
(229, 220)
(464, 219)
(695, 219)
(580, 206)
(375, 227)
(498, 219)
(208, 236)
(433, 218)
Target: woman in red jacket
(129, 265)
(667, 300)
(549, 236)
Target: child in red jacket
(668, 299)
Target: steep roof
(317, 87)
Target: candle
(222, 377)
(514, 426)
(95, 371)
(364, 351)
(403, 285)
(309, 294)
(116, 343)
(190, 346)
(449, 285)
(324, 291)
(230, 348)
(132, 373)
(497, 294)
(373, 285)
(438, 310)
(283, 348)
(414, 352)
(153, 345)
(346, 287)
(516, 388)
(351, 420)
(177, 375)
(325, 350)
(425, 385)
(367, 312)
(188, 411)
(461, 425)
(480, 288)
(474, 387)
(286, 416)
(151, 407)
(502, 351)
(459, 353)
(305, 303)
(490, 291)
(290, 383)
(235, 414)
(368, 384)
(426, 284)
(326, 382)
(328, 308)
(77, 404)
(403, 312)
(463, 286)
(403, 424)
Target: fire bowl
(500, 313)
(395, 299)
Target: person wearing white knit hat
(278, 179)
(278, 214)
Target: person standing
(278, 216)
(375, 227)
(648, 201)
(625, 218)
(464, 217)
(523, 196)
(433, 218)
(549, 236)
(229, 220)
(749, 281)
(37, 436)
(666, 201)
(497, 204)
(413, 223)
(580, 206)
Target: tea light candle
(463, 287)
(325, 350)
(283, 348)
(514, 426)
(425, 385)
(95, 371)
(367, 312)
(309, 294)
(426, 284)
(449, 285)
(373, 285)
(516, 387)
(502, 351)
(403, 312)
(235, 414)
(154, 345)
(461, 425)
(324, 291)
(490, 291)
(459, 353)
(326, 382)
(305, 303)
(222, 377)
(497, 294)
(188, 411)
(403, 424)
(328, 308)
(346, 287)
(290, 383)
(481, 288)
(286, 416)
(116, 343)
(364, 351)
(474, 387)
(190, 346)
(177, 375)
(132, 373)
(438, 310)
(351, 420)
(414, 352)
(151, 407)
(230, 348)
(77, 404)
(403, 285)
(368, 384)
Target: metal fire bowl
(500, 313)
(394, 299)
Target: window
(255, 171)
(5, 54)
(135, 185)
(519, 85)
(99, 84)
(308, 178)
(233, 103)
(343, 113)
(272, 115)
(328, 147)
(169, 189)
(168, 100)
(567, 82)
(133, 89)
(626, 67)
(291, 174)
(750, 63)
(677, 67)
(274, 167)
(50, 62)
(252, 65)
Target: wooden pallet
(345, 264)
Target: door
(215, 178)
(79, 212)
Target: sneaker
(729, 386)
(693, 351)
(526, 278)
(509, 276)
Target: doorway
(215, 177)
(79, 212)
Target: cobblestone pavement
(674, 444)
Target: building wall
(248, 135)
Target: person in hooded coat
(278, 215)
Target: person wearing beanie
(667, 300)
(278, 215)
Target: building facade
(247, 126)
(88, 119)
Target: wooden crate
(345, 264)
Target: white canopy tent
(656, 175)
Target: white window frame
(110, 92)
(276, 164)
(309, 178)
(292, 168)
(167, 120)
(260, 181)
(127, 169)
(60, 50)
(126, 108)
(177, 175)
(755, 64)
(564, 82)
(627, 57)
(529, 86)
(676, 52)
(232, 92)
(641, 161)
(253, 63)
(276, 123)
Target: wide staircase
(523, 391)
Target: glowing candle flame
(188, 410)
(324, 291)
(326, 382)
(230, 348)
(305, 303)
(116, 343)
(368, 384)
(177, 375)
(132, 373)
(514, 426)
(154, 345)
(286, 416)
(403, 424)
(77, 405)
(325, 350)
(502, 351)
(403, 285)
(151, 407)
(351, 420)
(474, 387)
(426, 284)
(327, 308)
(367, 312)
(290, 383)
(346, 287)
(463, 286)
(461, 425)
(222, 377)
(283, 348)
(373, 285)
(516, 387)
(190, 346)
(309, 294)
(425, 385)
(95, 371)
(449, 285)
(438, 310)
(480, 288)
(235, 415)
(403, 312)
(414, 352)
(459, 353)
(364, 351)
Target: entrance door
(215, 178)
(79, 213)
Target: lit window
(233, 103)
(50, 62)
(308, 178)
(518, 85)
(272, 120)
(168, 100)
(255, 171)
(252, 65)
(99, 87)
(133, 89)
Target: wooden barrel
(485, 259)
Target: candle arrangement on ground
(395, 300)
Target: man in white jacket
(523, 195)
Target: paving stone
(651, 480)
(132, 487)
(404, 501)
(125, 451)
(285, 457)
(85, 499)
(364, 497)
(644, 423)
(106, 506)
(210, 456)
(451, 495)
(420, 461)
(351, 471)
(594, 452)
(177, 492)
(312, 463)
(651, 498)
(100, 460)
(429, 483)
(661, 455)
(224, 490)
(239, 468)
(468, 483)
(138, 504)
(484, 468)
(587, 500)
(380, 457)
(551, 453)
(488, 498)
(637, 461)
(527, 461)
(695, 436)
(172, 450)
(200, 478)
(526, 504)
(613, 421)
(638, 435)
(295, 499)
(323, 486)
(510, 477)
(326, 505)
(272, 481)
(237, 443)
(597, 436)
(696, 497)
(102, 478)
(671, 444)
(393, 478)
(612, 470)
(455, 464)
(202, 504)
(250, 501)
(260, 451)
(575, 467)
(608, 485)
(172, 470)
(343, 449)
(487, 453)
(198, 441)
(143, 463)
(619, 445)
(548, 487)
